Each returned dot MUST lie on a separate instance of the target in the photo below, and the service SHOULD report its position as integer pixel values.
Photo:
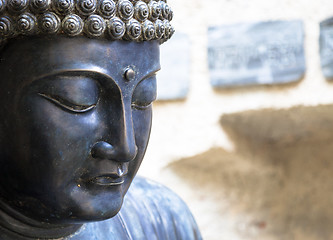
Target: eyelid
(145, 92)
(65, 104)
(141, 107)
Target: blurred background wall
(251, 162)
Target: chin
(82, 215)
(93, 216)
(80, 206)
(89, 206)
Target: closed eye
(144, 93)
(68, 105)
(141, 106)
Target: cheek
(55, 140)
(142, 126)
(142, 120)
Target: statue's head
(76, 87)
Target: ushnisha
(129, 20)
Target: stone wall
(251, 162)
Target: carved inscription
(276, 55)
(326, 47)
(260, 53)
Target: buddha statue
(78, 79)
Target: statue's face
(74, 126)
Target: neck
(14, 223)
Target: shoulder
(154, 192)
(159, 210)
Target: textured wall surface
(263, 174)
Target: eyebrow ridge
(71, 72)
(150, 74)
(91, 72)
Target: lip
(108, 180)
(106, 173)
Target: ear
(2, 136)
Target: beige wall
(185, 129)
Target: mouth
(108, 180)
(108, 174)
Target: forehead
(33, 58)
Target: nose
(121, 144)
(104, 150)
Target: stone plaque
(173, 79)
(326, 47)
(256, 53)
